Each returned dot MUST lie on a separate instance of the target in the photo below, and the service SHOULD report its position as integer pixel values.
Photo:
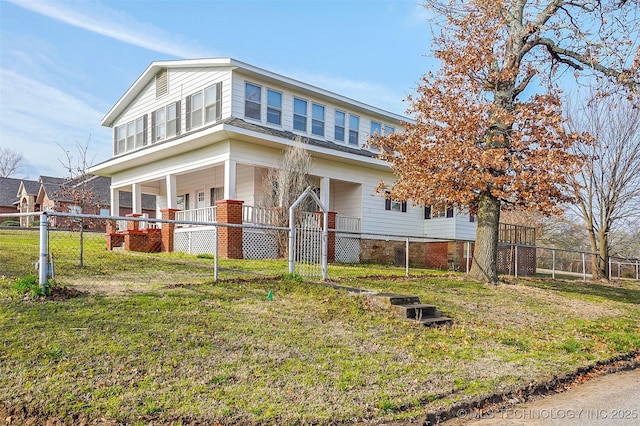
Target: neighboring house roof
(231, 64)
(9, 188)
(57, 188)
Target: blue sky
(64, 64)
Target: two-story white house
(192, 132)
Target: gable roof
(9, 188)
(231, 64)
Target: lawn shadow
(610, 291)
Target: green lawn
(207, 352)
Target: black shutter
(450, 212)
(187, 121)
(115, 141)
(153, 127)
(212, 197)
(145, 118)
(427, 212)
(186, 201)
(404, 207)
(218, 100)
(387, 203)
(178, 116)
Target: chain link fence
(121, 254)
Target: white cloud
(36, 118)
(96, 17)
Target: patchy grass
(193, 351)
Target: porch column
(172, 196)
(115, 202)
(136, 198)
(229, 238)
(229, 179)
(325, 189)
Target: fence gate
(308, 238)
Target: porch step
(416, 311)
(410, 307)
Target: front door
(200, 203)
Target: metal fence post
(215, 257)
(468, 255)
(553, 264)
(515, 260)
(292, 240)
(584, 268)
(406, 258)
(610, 269)
(637, 270)
(44, 252)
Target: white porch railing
(204, 214)
(121, 225)
(258, 215)
(348, 223)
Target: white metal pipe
(406, 259)
(44, 252)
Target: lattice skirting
(262, 244)
(347, 249)
(200, 240)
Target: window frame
(248, 101)
(393, 205)
(439, 211)
(274, 109)
(298, 115)
(195, 113)
(337, 127)
(216, 104)
(315, 121)
(354, 131)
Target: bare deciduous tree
(11, 162)
(488, 132)
(607, 188)
(77, 191)
(283, 186)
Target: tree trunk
(598, 268)
(485, 253)
(603, 254)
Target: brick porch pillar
(110, 229)
(133, 225)
(167, 229)
(229, 238)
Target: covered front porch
(193, 195)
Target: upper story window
(252, 100)
(317, 119)
(141, 132)
(376, 128)
(438, 211)
(165, 122)
(194, 110)
(130, 136)
(300, 114)
(159, 118)
(339, 126)
(388, 130)
(213, 103)
(393, 205)
(354, 126)
(204, 106)
(274, 107)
